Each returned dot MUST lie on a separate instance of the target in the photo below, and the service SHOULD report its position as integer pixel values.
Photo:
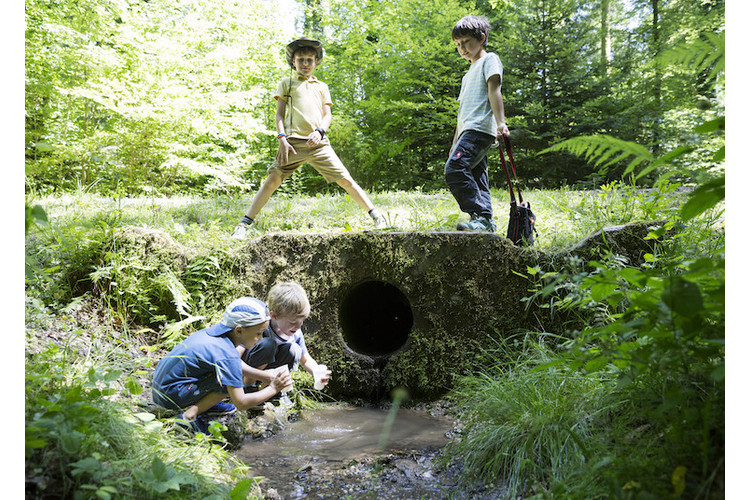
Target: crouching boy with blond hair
(283, 341)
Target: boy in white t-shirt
(481, 119)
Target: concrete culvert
(375, 318)
(413, 310)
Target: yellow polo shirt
(305, 100)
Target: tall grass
(530, 424)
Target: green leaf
(718, 373)
(145, 416)
(705, 197)
(634, 276)
(596, 364)
(43, 147)
(71, 441)
(601, 290)
(711, 126)
(242, 489)
(159, 469)
(683, 297)
(133, 386)
(36, 443)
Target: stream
(343, 452)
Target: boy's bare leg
(357, 193)
(271, 184)
(204, 404)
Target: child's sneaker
(239, 231)
(477, 223)
(219, 409)
(197, 425)
(380, 223)
(378, 219)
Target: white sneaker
(239, 231)
(380, 222)
(378, 219)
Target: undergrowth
(628, 401)
(87, 436)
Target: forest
(135, 97)
(159, 115)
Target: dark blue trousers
(266, 352)
(467, 175)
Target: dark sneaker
(477, 223)
(220, 409)
(197, 425)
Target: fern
(180, 297)
(174, 332)
(701, 54)
(604, 151)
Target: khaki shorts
(321, 157)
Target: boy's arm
(310, 364)
(315, 137)
(496, 102)
(282, 157)
(243, 400)
(251, 374)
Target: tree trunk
(605, 49)
(656, 51)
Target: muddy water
(347, 452)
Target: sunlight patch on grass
(564, 216)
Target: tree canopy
(167, 96)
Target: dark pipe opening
(375, 318)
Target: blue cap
(245, 311)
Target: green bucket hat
(303, 42)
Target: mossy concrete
(465, 292)
(461, 287)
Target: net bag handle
(506, 140)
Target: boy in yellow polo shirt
(303, 114)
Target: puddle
(342, 452)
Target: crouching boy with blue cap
(202, 370)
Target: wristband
(280, 136)
(321, 131)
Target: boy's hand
(502, 130)
(282, 156)
(314, 138)
(282, 379)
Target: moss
(465, 291)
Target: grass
(542, 430)
(564, 216)
(532, 426)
